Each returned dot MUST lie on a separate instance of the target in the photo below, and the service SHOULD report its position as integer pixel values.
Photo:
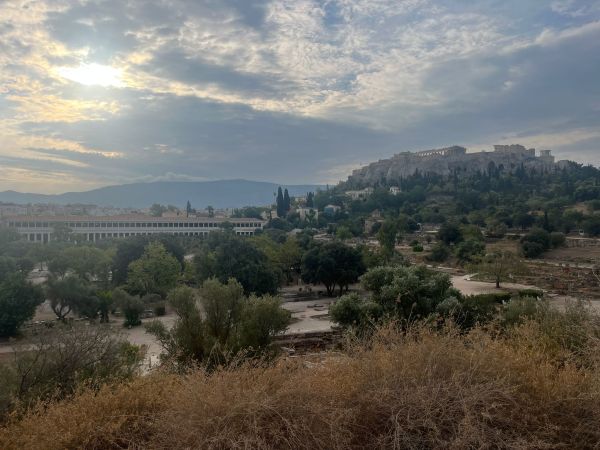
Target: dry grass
(422, 390)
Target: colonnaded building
(93, 228)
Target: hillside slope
(219, 194)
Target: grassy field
(530, 388)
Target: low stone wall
(309, 342)
(580, 242)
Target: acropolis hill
(451, 160)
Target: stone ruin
(449, 160)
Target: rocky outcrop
(447, 161)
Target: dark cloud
(187, 135)
(174, 64)
(291, 76)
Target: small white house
(363, 193)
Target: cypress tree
(280, 203)
(310, 202)
(287, 203)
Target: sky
(95, 93)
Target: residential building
(362, 194)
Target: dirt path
(469, 287)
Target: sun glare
(92, 75)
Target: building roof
(126, 218)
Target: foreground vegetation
(534, 384)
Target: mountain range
(219, 194)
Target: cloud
(287, 90)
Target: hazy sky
(293, 91)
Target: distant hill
(219, 194)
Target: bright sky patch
(92, 75)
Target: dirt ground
(574, 254)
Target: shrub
(226, 326)
(261, 318)
(557, 239)
(536, 242)
(418, 389)
(470, 250)
(61, 359)
(439, 253)
(18, 301)
(532, 249)
(469, 311)
(533, 293)
(354, 311)
(131, 306)
(407, 293)
(519, 310)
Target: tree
(535, 243)
(188, 209)
(89, 263)
(343, 233)
(8, 266)
(287, 203)
(469, 250)
(332, 264)
(226, 324)
(387, 236)
(211, 211)
(129, 250)
(310, 200)
(261, 318)
(500, 266)
(228, 256)
(280, 203)
(408, 293)
(222, 307)
(157, 210)
(496, 229)
(61, 232)
(156, 272)
(67, 294)
(591, 226)
(450, 233)
(354, 311)
(18, 301)
(131, 306)
(439, 252)
(184, 344)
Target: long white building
(92, 228)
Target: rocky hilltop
(449, 160)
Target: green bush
(354, 311)
(519, 310)
(18, 301)
(439, 253)
(470, 311)
(533, 293)
(131, 306)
